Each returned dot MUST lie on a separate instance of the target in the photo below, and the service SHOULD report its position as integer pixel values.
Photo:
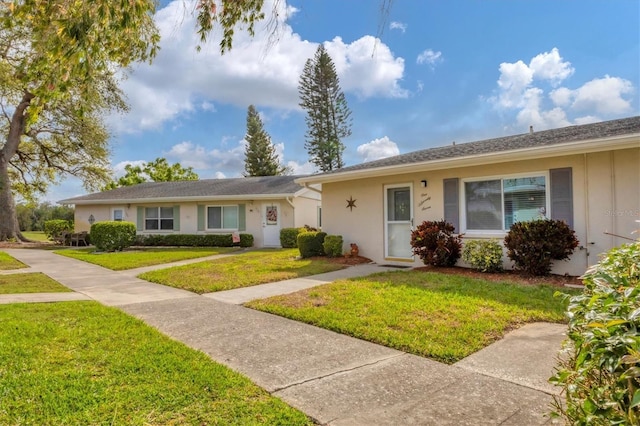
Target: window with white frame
(118, 214)
(496, 204)
(158, 218)
(222, 217)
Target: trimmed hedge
(53, 228)
(289, 237)
(311, 244)
(333, 245)
(192, 240)
(112, 235)
(600, 375)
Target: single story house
(586, 175)
(260, 206)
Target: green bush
(246, 240)
(289, 237)
(333, 245)
(53, 228)
(192, 240)
(435, 243)
(483, 255)
(112, 235)
(601, 372)
(534, 245)
(311, 243)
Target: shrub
(193, 240)
(246, 240)
(533, 245)
(53, 228)
(112, 235)
(601, 372)
(311, 243)
(483, 255)
(289, 237)
(333, 245)
(435, 243)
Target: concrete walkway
(335, 379)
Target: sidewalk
(335, 379)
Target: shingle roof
(508, 143)
(215, 188)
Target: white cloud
(550, 66)
(429, 57)
(395, 25)
(301, 168)
(256, 71)
(521, 88)
(604, 96)
(367, 67)
(377, 149)
(219, 175)
(230, 162)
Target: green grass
(243, 270)
(30, 283)
(444, 317)
(7, 262)
(35, 236)
(80, 363)
(138, 258)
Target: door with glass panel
(398, 221)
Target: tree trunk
(8, 219)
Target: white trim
(159, 219)
(502, 232)
(222, 206)
(176, 200)
(386, 216)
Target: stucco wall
(306, 212)
(611, 179)
(189, 215)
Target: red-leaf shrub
(435, 243)
(533, 245)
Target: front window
(496, 204)
(222, 217)
(118, 215)
(158, 218)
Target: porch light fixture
(423, 182)
(91, 219)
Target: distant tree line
(31, 217)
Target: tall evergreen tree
(328, 116)
(260, 154)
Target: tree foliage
(58, 64)
(260, 153)
(158, 170)
(31, 217)
(328, 116)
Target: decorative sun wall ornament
(351, 203)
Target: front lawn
(7, 262)
(243, 270)
(36, 282)
(140, 257)
(81, 363)
(444, 317)
(36, 236)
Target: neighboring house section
(260, 206)
(587, 175)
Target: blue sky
(441, 71)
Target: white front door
(271, 224)
(398, 221)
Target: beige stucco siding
(254, 213)
(306, 211)
(605, 199)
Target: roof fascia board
(547, 151)
(176, 199)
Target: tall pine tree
(260, 154)
(328, 116)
